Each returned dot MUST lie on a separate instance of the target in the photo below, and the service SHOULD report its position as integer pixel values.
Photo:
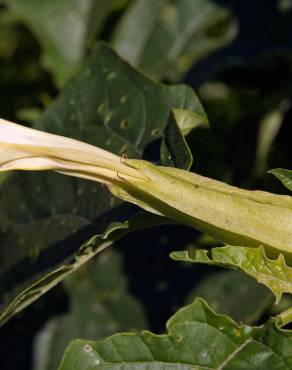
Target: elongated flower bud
(229, 214)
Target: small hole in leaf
(124, 99)
(101, 108)
(155, 132)
(124, 124)
(111, 76)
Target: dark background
(257, 68)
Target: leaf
(111, 105)
(174, 150)
(273, 273)
(28, 292)
(224, 289)
(285, 176)
(99, 306)
(268, 130)
(49, 216)
(197, 338)
(64, 29)
(166, 38)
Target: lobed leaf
(273, 273)
(197, 338)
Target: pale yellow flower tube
(229, 214)
(23, 148)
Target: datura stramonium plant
(229, 214)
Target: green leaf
(47, 216)
(64, 30)
(169, 37)
(113, 106)
(99, 306)
(223, 290)
(273, 273)
(285, 176)
(196, 338)
(174, 150)
(29, 291)
(268, 130)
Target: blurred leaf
(99, 306)
(197, 338)
(225, 289)
(285, 176)
(31, 114)
(273, 273)
(64, 29)
(108, 104)
(165, 38)
(268, 130)
(8, 35)
(284, 5)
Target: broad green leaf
(273, 273)
(29, 291)
(165, 38)
(224, 289)
(197, 338)
(111, 105)
(285, 176)
(64, 29)
(99, 306)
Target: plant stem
(284, 318)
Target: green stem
(284, 318)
